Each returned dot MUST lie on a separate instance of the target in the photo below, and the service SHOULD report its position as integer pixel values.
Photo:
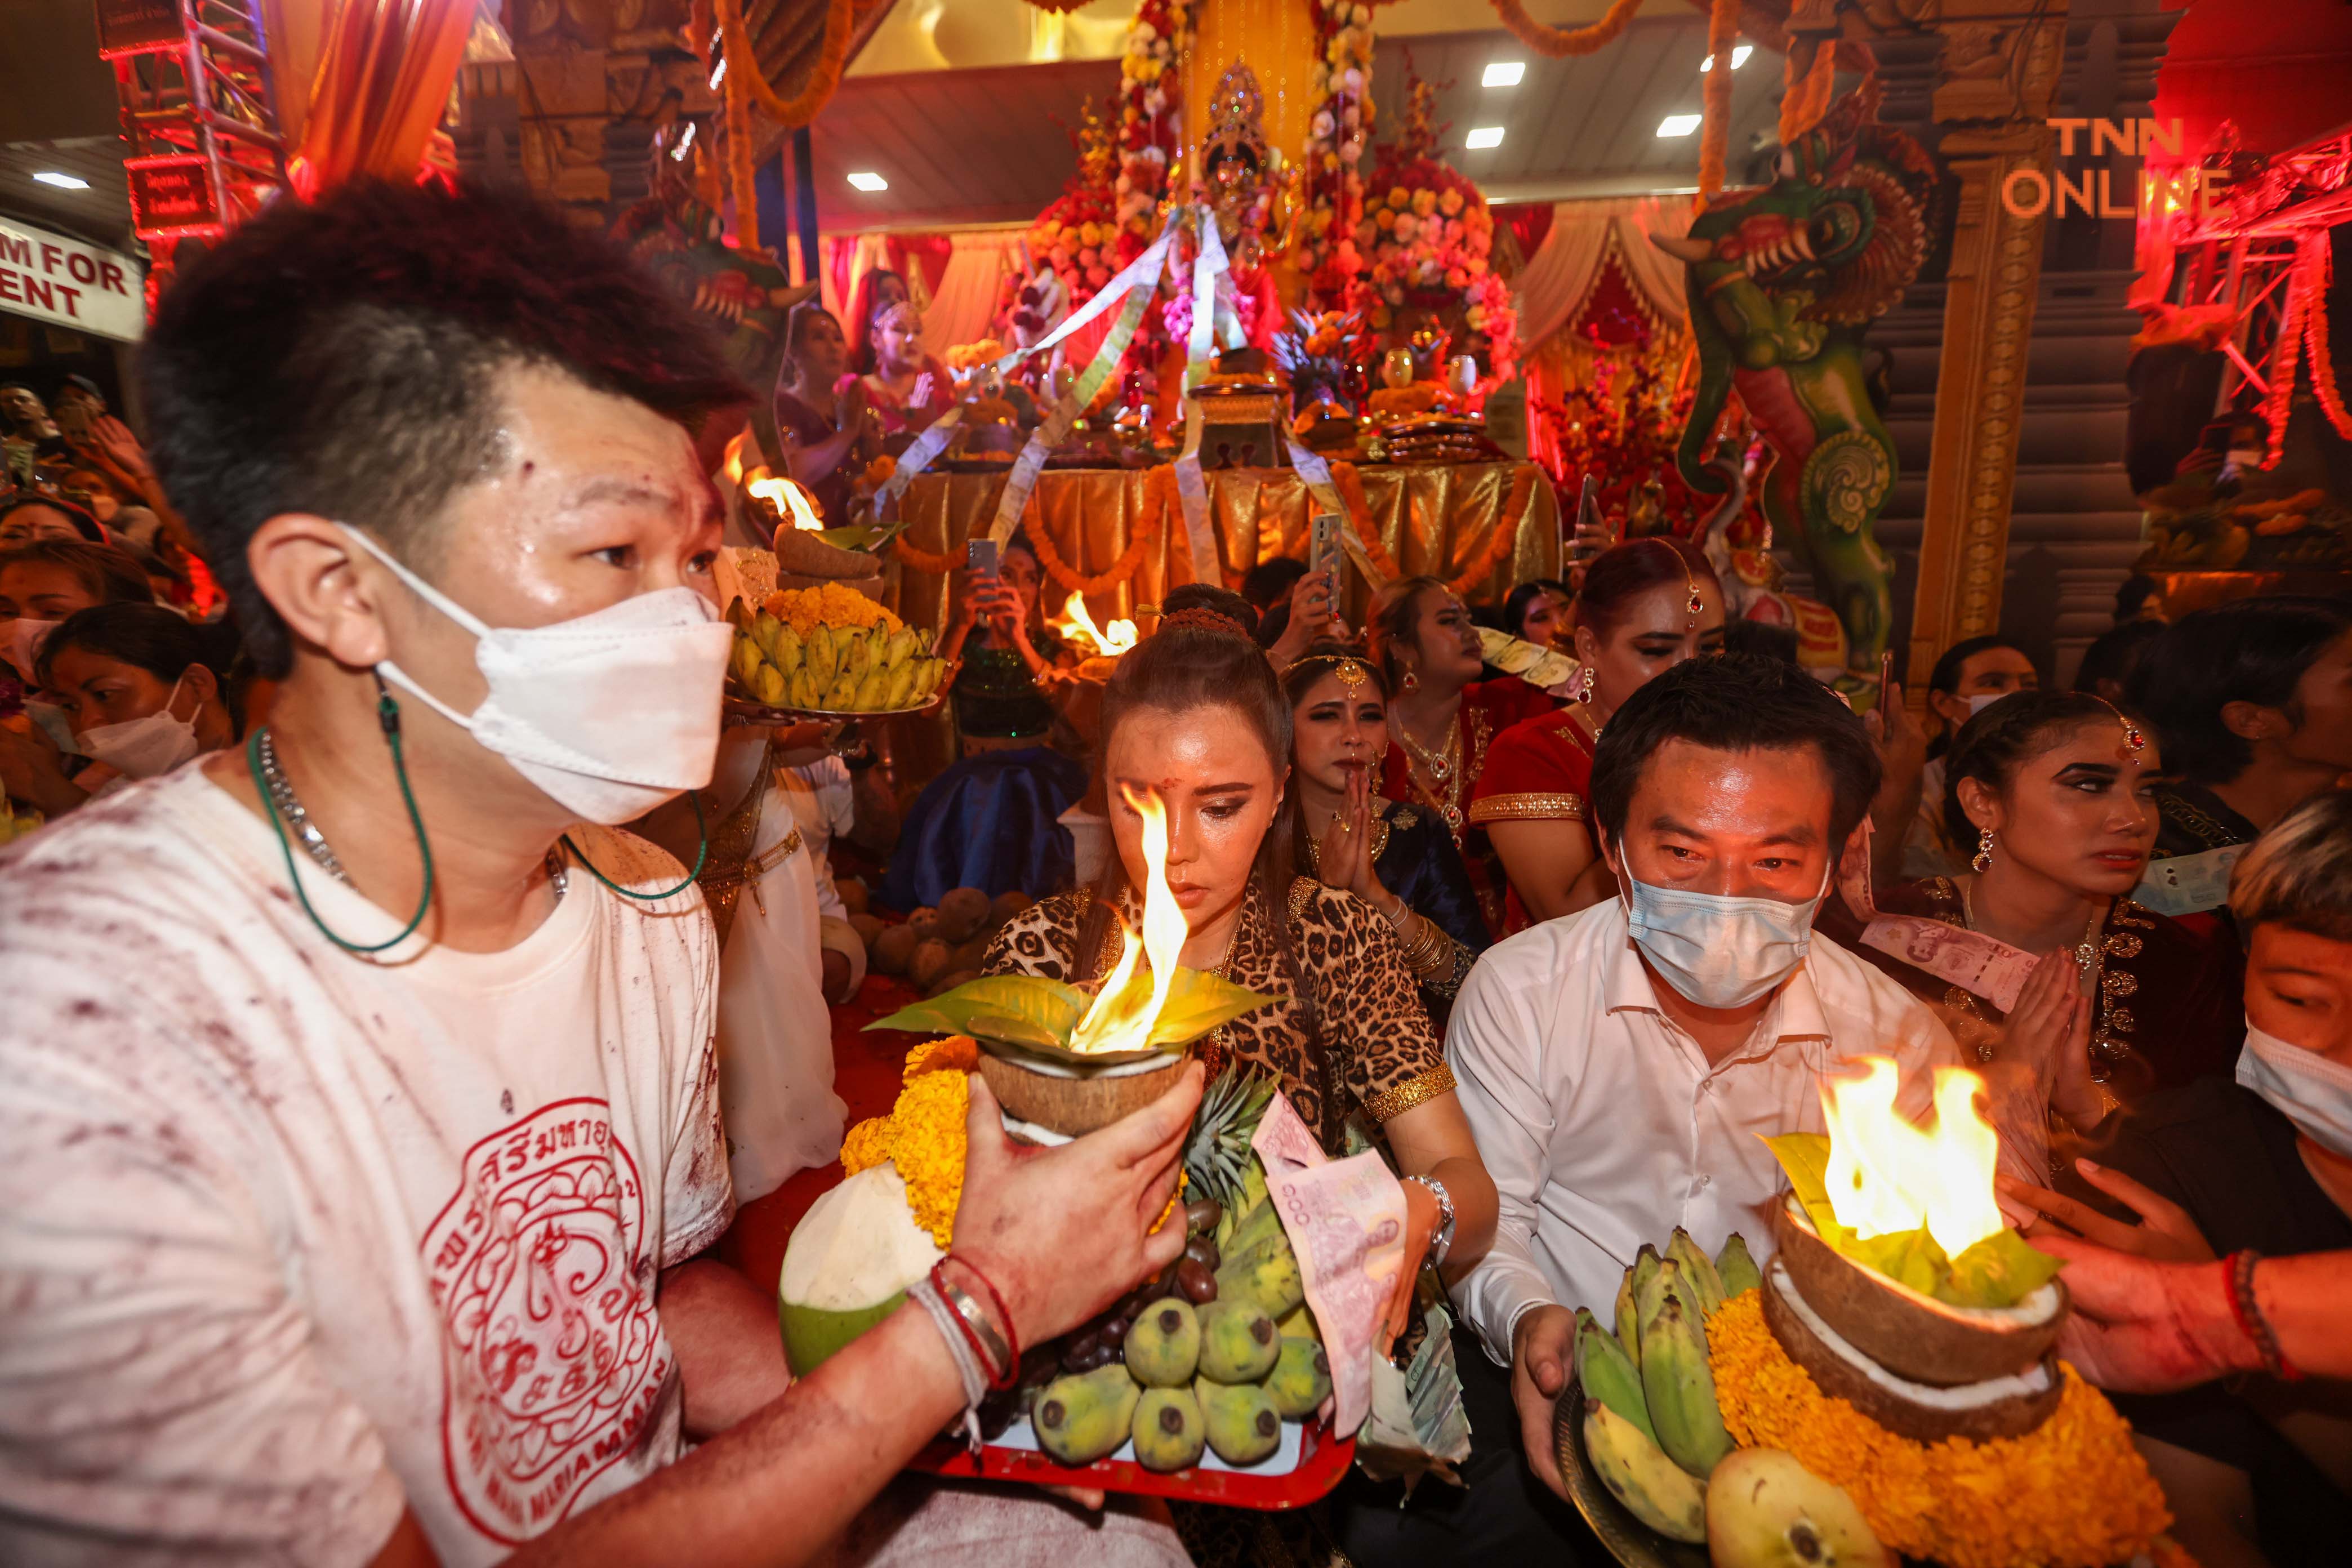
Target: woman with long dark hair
(1195, 715)
(1398, 859)
(1443, 715)
(1645, 606)
(2052, 794)
(826, 426)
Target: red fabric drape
(1529, 221)
(383, 80)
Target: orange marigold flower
(2072, 1493)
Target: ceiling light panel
(1484, 136)
(1678, 124)
(1504, 73)
(869, 182)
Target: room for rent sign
(70, 282)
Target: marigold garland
(840, 27)
(1557, 42)
(1351, 486)
(1805, 98)
(920, 560)
(1152, 517)
(2072, 1493)
(923, 1135)
(2307, 322)
(1158, 497)
(1714, 98)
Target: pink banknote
(1977, 963)
(1345, 1219)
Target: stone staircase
(2074, 529)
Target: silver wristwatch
(1442, 1242)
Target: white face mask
(610, 713)
(2304, 1086)
(1980, 700)
(1716, 949)
(23, 641)
(146, 748)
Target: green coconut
(848, 1265)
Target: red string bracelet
(2238, 1283)
(996, 1299)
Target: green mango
(1163, 1343)
(1170, 1433)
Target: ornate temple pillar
(1998, 67)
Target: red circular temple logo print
(556, 1359)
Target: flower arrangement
(830, 604)
(1337, 131)
(1150, 118)
(923, 1135)
(1077, 236)
(2072, 1493)
(1428, 241)
(1327, 356)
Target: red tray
(1322, 1460)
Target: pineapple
(1218, 1158)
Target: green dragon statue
(1782, 283)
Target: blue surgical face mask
(2304, 1086)
(1716, 950)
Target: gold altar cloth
(1437, 519)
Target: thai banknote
(1531, 662)
(2188, 884)
(1982, 965)
(1346, 1220)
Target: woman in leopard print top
(1195, 716)
(1377, 1055)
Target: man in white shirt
(1622, 1065)
(332, 1232)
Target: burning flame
(734, 464)
(1886, 1175)
(788, 498)
(1117, 1021)
(1118, 638)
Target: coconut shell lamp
(1897, 1286)
(1066, 1059)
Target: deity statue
(1783, 281)
(677, 233)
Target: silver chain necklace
(314, 843)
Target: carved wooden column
(2000, 65)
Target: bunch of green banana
(1652, 1427)
(835, 669)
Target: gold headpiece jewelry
(2134, 742)
(1695, 605)
(1351, 671)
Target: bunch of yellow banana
(833, 668)
(1651, 1423)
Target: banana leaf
(1040, 1008)
(1200, 1002)
(1998, 1270)
(856, 537)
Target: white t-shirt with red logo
(290, 1239)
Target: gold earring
(1983, 862)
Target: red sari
(1452, 775)
(1538, 770)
